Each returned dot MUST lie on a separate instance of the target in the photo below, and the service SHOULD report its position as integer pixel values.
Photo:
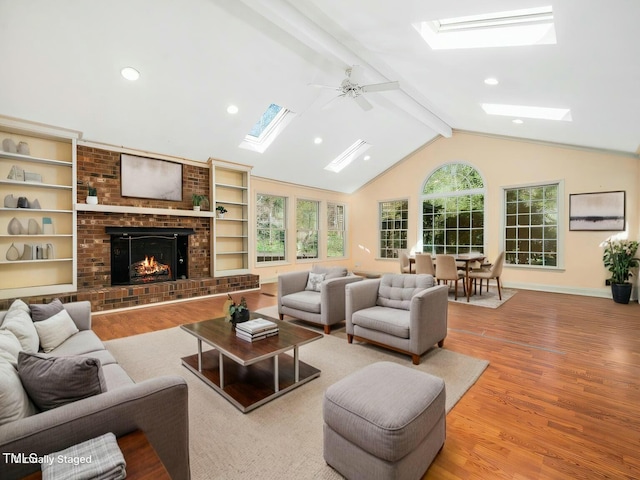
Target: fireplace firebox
(141, 255)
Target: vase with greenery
(92, 196)
(199, 201)
(236, 312)
(221, 211)
(619, 258)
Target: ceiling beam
(285, 16)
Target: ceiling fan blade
(357, 75)
(333, 102)
(363, 102)
(379, 87)
(330, 87)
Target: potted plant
(92, 196)
(221, 211)
(198, 201)
(236, 312)
(619, 258)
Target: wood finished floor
(560, 399)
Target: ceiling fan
(351, 87)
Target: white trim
(143, 153)
(604, 292)
(84, 207)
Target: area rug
(488, 299)
(283, 438)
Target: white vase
(91, 200)
(196, 208)
(220, 215)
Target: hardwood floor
(560, 399)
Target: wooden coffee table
(250, 374)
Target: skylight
(267, 128)
(348, 156)
(545, 113)
(531, 26)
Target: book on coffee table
(256, 326)
(257, 336)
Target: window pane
(270, 232)
(394, 218)
(336, 235)
(534, 240)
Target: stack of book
(256, 329)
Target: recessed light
(517, 121)
(130, 73)
(232, 109)
(367, 157)
(317, 140)
(491, 81)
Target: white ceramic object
(13, 253)
(91, 200)
(23, 148)
(8, 145)
(15, 227)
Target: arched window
(453, 210)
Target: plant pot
(220, 215)
(91, 200)
(621, 292)
(196, 208)
(240, 317)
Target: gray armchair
(405, 313)
(323, 305)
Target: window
(336, 246)
(394, 220)
(271, 231)
(267, 128)
(531, 225)
(453, 210)
(307, 219)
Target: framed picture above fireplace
(144, 177)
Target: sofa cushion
(330, 272)
(18, 321)
(85, 341)
(52, 382)
(306, 301)
(42, 311)
(115, 376)
(394, 322)
(14, 402)
(315, 281)
(9, 347)
(55, 330)
(396, 290)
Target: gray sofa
(158, 407)
(323, 306)
(405, 313)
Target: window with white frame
(394, 223)
(336, 230)
(307, 221)
(532, 225)
(271, 228)
(453, 210)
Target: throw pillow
(315, 281)
(9, 347)
(14, 402)
(43, 311)
(55, 330)
(18, 321)
(55, 381)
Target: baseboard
(604, 292)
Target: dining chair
(403, 257)
(424, 264)
(448, 272)
(492, 273)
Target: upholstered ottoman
(385, 421)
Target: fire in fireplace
(141, 255)
(148, 270)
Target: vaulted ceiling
(61, 61)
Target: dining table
(466, 258)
